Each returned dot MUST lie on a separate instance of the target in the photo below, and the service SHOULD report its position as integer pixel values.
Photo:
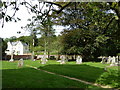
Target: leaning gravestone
(79, 60)
(63, 58)
(20, 63)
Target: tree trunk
(33, 51)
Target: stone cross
(79, 60)
(20, 63)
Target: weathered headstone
(103, 60)
(109, 60)
(66, 59)
(117, 61)
(43, 59)
(20, 63)
(79, 60)
(113, 61)
(63, 58)
(11, 60)
(117, 58)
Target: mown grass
(88, 71)
(14, 77)
(31, 78)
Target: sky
(11, 28)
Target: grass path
(79, 80)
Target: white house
(18, 48)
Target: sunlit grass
(88, 71)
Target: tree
(3, 47)
(47, 32)
(91, 17)
(90, 30)
(31, 27)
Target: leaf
(6, 19)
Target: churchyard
(89, 32)
(53, 74)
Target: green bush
(52, 58)
(111, 78)
(118, 54)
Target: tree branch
(63, 7)
(54, 4)
(108, 25)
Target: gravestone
(113, 61)
(66, 59)
(103, 60)
(117, 61)
(117, 57)
(79, 60)
(63, 58)
(11, 60)
(109, 60)
(20, 63)
(43, 59)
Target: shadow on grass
(83, 71)
(87, 73)
(31, 78)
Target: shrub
(52, 58)
(110, 78)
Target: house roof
(24, 44)
(15, 43)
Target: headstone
(11, 60)
(79, 60)
(117, 62)
(109, 60)
(66, 59)
(103, 60)
(113, 61)
(43, 59)
(117, 57)
(20, 63)
(63, 58)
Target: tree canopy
(93, 27)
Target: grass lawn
(25, 77)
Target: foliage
(102, 19)
(11, 39)
(110, 78)
(92, 30)
(3, 47)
